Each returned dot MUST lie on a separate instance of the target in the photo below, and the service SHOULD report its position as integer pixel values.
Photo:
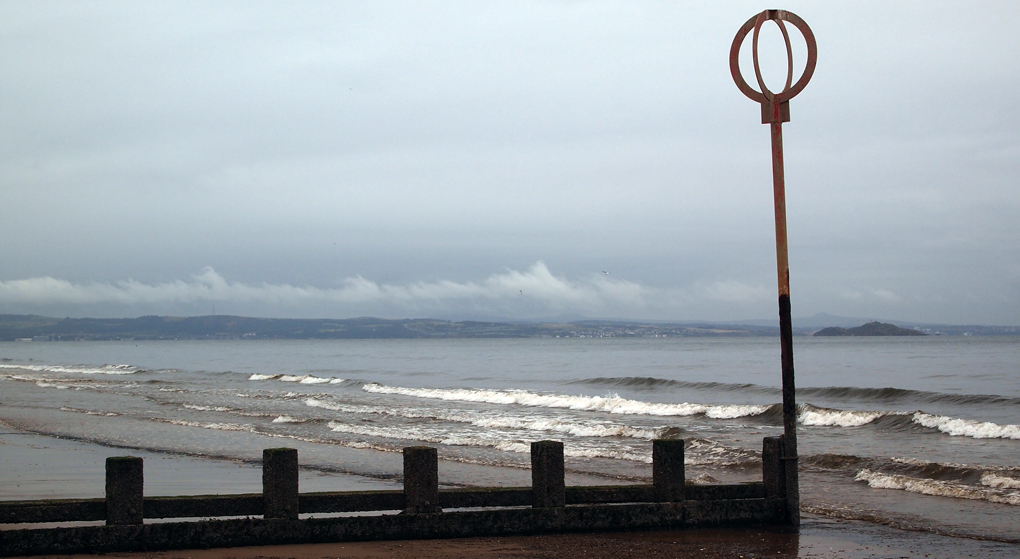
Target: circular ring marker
(789, 91)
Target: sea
(915, 433)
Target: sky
(504, 160)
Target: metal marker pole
(785, 327)
(775, 110)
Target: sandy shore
(39, 467)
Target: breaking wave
(302, 379)
(699, 451)
(213, 426)
(967, 428)
(79, 369)
(811, 415)
(89, 412)
(494, 440)
(937, 488)
(561, 425)
(953, 426)
(287, 419)
(992, 479)
(610, 403)
(888, 394)
(197, 407)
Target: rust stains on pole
(775, 110)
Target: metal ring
(789, 91)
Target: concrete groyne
(282, 515)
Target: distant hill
(869, 329)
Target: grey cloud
(304, 144)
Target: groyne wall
(280, 514)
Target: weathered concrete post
(773, 471)
(668, 476)
(421, 480)
(280, 483)
(124, 485)
(548, 487)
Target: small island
(870, 329)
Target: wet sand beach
(38, 467)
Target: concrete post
(280, 483)
(548, 487)
(668, 476)
(773, 471)
(421, 480)
(124, 485)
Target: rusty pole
(775, 110)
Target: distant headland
(870, 329)
(27, 327)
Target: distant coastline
(15, 327)
(222, 327)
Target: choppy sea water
(920, 433)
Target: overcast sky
(495, 159)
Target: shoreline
(37, 466)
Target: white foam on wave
(58, 383)
(611, 403)
(78, 369)
(810, 415)
(953, 426)
(287, 419)
(46, 384)
(708, 452)
(562, 425)
(937, 488)
(704, 479)
(699, 452)
(616, 454)
(347, 408)
(302, 379)
(966, 427)
(491, 440)
(213, 426)
(207, 408)
(992, 479)
(89, 412)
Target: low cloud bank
(537, 287)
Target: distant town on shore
(216, 327)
